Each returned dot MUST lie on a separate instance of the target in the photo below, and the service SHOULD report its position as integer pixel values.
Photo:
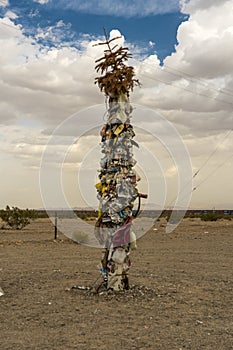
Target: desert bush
(210, 216)
(227, 217)
(41, 214)
(16, 218)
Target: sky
(182, 55)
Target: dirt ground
(180, 297)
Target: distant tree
(16, 218)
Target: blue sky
(151, 25)
(47, 74)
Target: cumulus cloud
(35, 77)
(124, 8)
(203, 41)
(42, 85)
(197, 78)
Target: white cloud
(34, 78)
(204, 42)
(191, 6)
(42, 2)
(11, 15)
(56, 34)
(200, 71)
(4, 3)
(124, 8)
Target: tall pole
(55, 226)
(117, 186)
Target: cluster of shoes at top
(117, 189)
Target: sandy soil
(180, 297)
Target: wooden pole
(55, 226)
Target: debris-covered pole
(117, 186)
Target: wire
(216, 148)
(203, 181)
(185, 89)
(182, 190)
(213, 172)
(202, 166)
(212, 153)
(193, 78)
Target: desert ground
(181, 294)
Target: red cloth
(122, 236)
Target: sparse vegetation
(213, 216)
(204, 215)
(16, 218)
(210, 217)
